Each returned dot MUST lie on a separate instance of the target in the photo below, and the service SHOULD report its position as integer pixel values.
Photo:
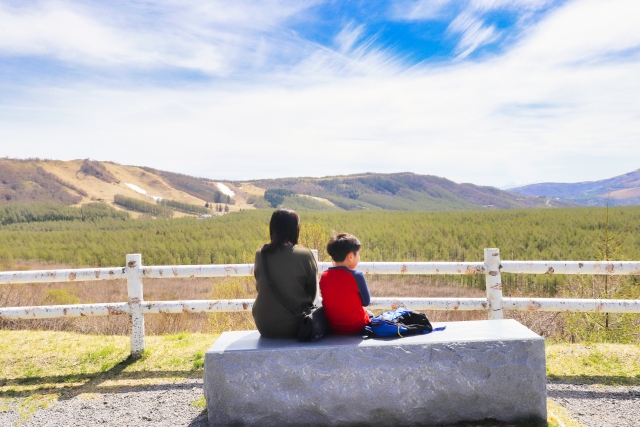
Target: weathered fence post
(134, 289)
(493, 282)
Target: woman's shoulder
(297, 251)
(302, 251)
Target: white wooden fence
(492, 267)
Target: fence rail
(492, 268)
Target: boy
(344, 291)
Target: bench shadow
(595, 379)
(201, 420)
(592, 395)
(92, 382)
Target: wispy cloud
(211, 37)
(468, 19)
(347, 38)
(418, 9)
(484, 5)
(552, 105)
(474, 33)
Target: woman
(292, 271)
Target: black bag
(312, 326)
(415, 321)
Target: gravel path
(170, 405)
(155, 405)
(598, 405)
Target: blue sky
(482, 91)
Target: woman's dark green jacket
(293, 272)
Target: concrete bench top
(469, 331)
(487, 371)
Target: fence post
(134, 289)
(493, 282)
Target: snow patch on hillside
(142, 191)
(225, 190)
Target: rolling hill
(80, 182)
(399, 191)
(622, 189)
(144, 190)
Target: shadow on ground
(69, 386)
(200, 420)
(595, 379)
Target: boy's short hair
(342, 245)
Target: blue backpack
(399, 322)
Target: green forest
(98, 235)
(185, 207)
(46, 211)
(536, 234)
(154, 209)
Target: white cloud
(473, 33)
(419, 10)
(212, 37)
(348, 37)
(585, 30)
(61, 32)
(550, 109)
(416, 10)
(485, 5)
(469, 21)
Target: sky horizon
(489, 92)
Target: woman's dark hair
(284, 227)
(342, 245)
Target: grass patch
(37, 368)
(199, 403)
(557, 416)
(607, 364)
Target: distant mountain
(622, 189)
(402, 191)
(515, 184)
(137, 189)
(80, 182)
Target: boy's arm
(363, 288)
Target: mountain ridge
(79, 182)
(620, 190)
(403, 191)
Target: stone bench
(490, 371)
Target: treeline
(549, 234)
(143, 207)
(184, 207)
(220, 197)
(276, 196)
(42, 211)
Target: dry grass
(116, 291)
(190, 289)
(550, 325)
(97, 189)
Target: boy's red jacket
(344, 293)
